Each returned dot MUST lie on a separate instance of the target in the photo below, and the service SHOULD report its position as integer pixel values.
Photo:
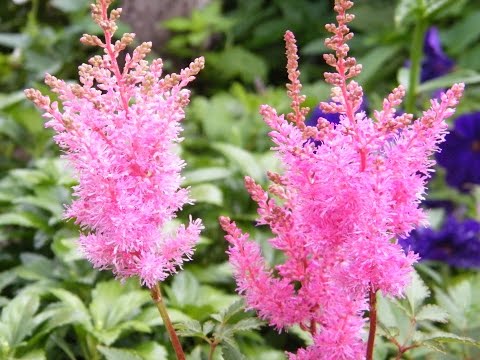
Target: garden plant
(127, 226)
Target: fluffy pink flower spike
(339, 207)
(119, 129)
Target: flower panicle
(294, 88)
(118, 129)
(337, 247)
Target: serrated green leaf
(230, 352)
(111, 353)
(207, 327)
(432, 313)
(443, 337)
(233, 309)
(191, 328)
(246, 325)
(416, 292)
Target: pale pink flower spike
(337, 211)
(119, 129)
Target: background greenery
(54, 306)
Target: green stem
(158, 300)
(416, 54)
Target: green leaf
(152, 351)
(72, 311)
(17, 319)
(247, 163)
(24, 219)
(113, 304)
(208, 327)
(35, 267)
(463, 33)
(374, 60)
(465, 76)
(111, 353)
(6, 278)
(230, 352)
(207, 193)
(36, 354)
(191, 328)
(241, 62)
(184, 289)
(233, 309)
(432, 313)
(10, 98)
(458, 303)
(405, 12)
(205, 175)
(247, 324)
(13, 40)
(442, 337)
(416, 293)
(433, 7)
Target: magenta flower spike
(347, 192)
(119, 129)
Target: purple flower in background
(334, 118)
(460, 153)
(435, 63)
(457, 243)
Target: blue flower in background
(457, 243)
(460, 153)
(331, 117)
(435, 63)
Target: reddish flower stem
(158, 300)
(373, 323)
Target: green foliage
(417, 328)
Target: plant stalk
(373, 322)
(158, 300)
(416, 54)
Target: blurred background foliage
(54, 306)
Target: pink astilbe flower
(119, 129)
(347, 193)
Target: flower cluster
(435, 63)
(348, 192)
(119, 129)
(460, 154)
(456, 243)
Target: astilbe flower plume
(347, 193)
(119, 129)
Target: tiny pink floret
(119, 129)
(339, 207)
